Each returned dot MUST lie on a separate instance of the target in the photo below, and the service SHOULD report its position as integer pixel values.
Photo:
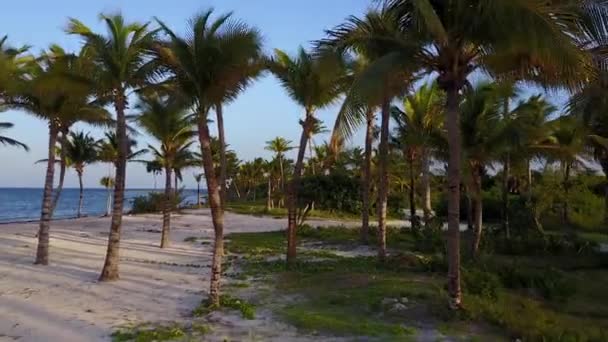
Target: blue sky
(261, 113)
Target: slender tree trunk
(470, 209)
(110, 267)
(80, 194)
(426, 184)
(164, 242)
(282, 179)
(198, 194)
(413, 219)
(109, 196)
(222, 140)
(454, 148)
(217, 211)
(176, 181)
(42, 252)
(268, 196)
(383, 180)
(366, 177)
(294, 187)
(505, 195)
(312, 162)
(566, 184)
(606, 200)
(478, 208)
(63, 166)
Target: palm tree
(13, 64)
(108, 183)
(198, 177)
(154, 168)
(501, 37)
(314, 83)
(168, 123)
(483, 139)
(279, 146)
(48, 94)
(81, 150)
(4, 140)
(121, 64)
(418, 127)
(190, 63)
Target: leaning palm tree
(418, 127)
(313, 83)
(167, 122)
(4, 140)
(501, 37)
(49, 95)
(186, 59)
(81, 150)
(121, 64)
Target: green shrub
(481, 283)
(154, 202)
(552, 283)
(336, 191)
(226, 301)
(431, 238)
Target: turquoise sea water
(23, 204)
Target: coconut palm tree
(418, 127)
(108, 183)
(279, 146)
(383, 77)
(191, 65)
(121, 64)
(14, 63)
(501, 37)
(168, 123)
(4, 140)
(313, 83)
(48, 94)
(81, 150)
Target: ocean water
(24, 204)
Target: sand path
(64, 301)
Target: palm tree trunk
(566, 184)
(198, 194)
(426, 184)
(383, 184)
(294, 186)
(80, 194)
(477, 210)
(505, 195)
(269, 195)
(42, 252)
(282, 178)
(109, 189)
(164, 241)
(222, 140)
(63, 166)
(413, 219)
(110, 267)
(366, 177)
(217, 211)
(175, 180)
(606, 199)
(470, 209)
(454, 148)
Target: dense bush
(339, 192)
(430, 239)
(481, 283)
(154, 202)
(551, 283)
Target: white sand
(65, 302)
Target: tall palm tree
(168, 123)
(121, 64)
(418, 128)
(14, 63)
(4, 140)
(81, 150)
(314, 83)
(501, 37)
(279, 146)
(154, 168)
(108, 183)
(186, 59)
(48, 94)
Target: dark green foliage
(430, 239)
(154, 202)
(551, 283)
(336, 191)
(481, 283)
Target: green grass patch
(246, 309)
(146, 333)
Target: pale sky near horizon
(261, 113)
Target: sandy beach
(65, 302)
